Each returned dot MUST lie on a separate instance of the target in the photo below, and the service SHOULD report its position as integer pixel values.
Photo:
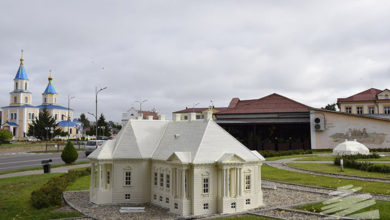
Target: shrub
(69, 154)
(350, 162)
(5, 136)
(50, 194)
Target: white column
(92, 175)
(183, 176)
(237, 183)
(223, 182)
(240, 172)
(99, 180)
(177, 182)
(228, 183)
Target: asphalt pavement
(21, 160)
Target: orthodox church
(20, 112)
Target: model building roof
(195, 142)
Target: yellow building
(369, 102)
(20, 112)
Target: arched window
(25, 86)
(26, 99)
(45, 100)
(16, 85)
(15, 99)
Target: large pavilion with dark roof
(273, 122)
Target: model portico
(191, 167)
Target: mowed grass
(382, 206)
(81, 183)
(287, 156)
(329, 182)
(244, 217)
(331, 158)
(331, 168)
(15, 198)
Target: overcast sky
(177, 53)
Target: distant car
(32, 139)
(91, 146)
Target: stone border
(73, 206)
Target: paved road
(20, 160)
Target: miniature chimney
(209, 115)
(150, 117)
(176, 117)
(161, 117)
(192, 116)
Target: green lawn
(382, 206)
(40, 167)
(331, 158)
(15, 199)
(245, 217)
(317, 158)
(81, 183)
(287, 156)
(330, 168)
(330, 182)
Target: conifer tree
(38, 127)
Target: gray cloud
(177, 53)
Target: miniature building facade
(191, 167)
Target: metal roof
(21, 74)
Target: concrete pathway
(63, 169)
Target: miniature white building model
(191, 167)
(350, 148)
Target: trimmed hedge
(69, 153)
(50, 194)
(272, 153)
(350, 162)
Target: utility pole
(68, 121)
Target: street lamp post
(47, 135)
(69, 98)
(96, 109)
(140, 105)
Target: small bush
(69, 154)
(271, 153)
(50, 194)
(350, 162)
(5, 136)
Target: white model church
(191, 167)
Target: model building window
(348, 110)
(127, 196)
(161, 179)
(247, 201)
(160, 198)
(155, 178)
(176, 206)
(186, 117)
(359, 110)
(387, 110)
(233, 205)
(167, 200)
(127, 178)
(15, 99)
(26, 99)
(205, 206)
(247, 182)
(154, 196)
(168, 185)
(371, 110)
(206, 185)
(25, 86)
(108, 177)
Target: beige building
(199, 112)
(370, 102)
(329, 128)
